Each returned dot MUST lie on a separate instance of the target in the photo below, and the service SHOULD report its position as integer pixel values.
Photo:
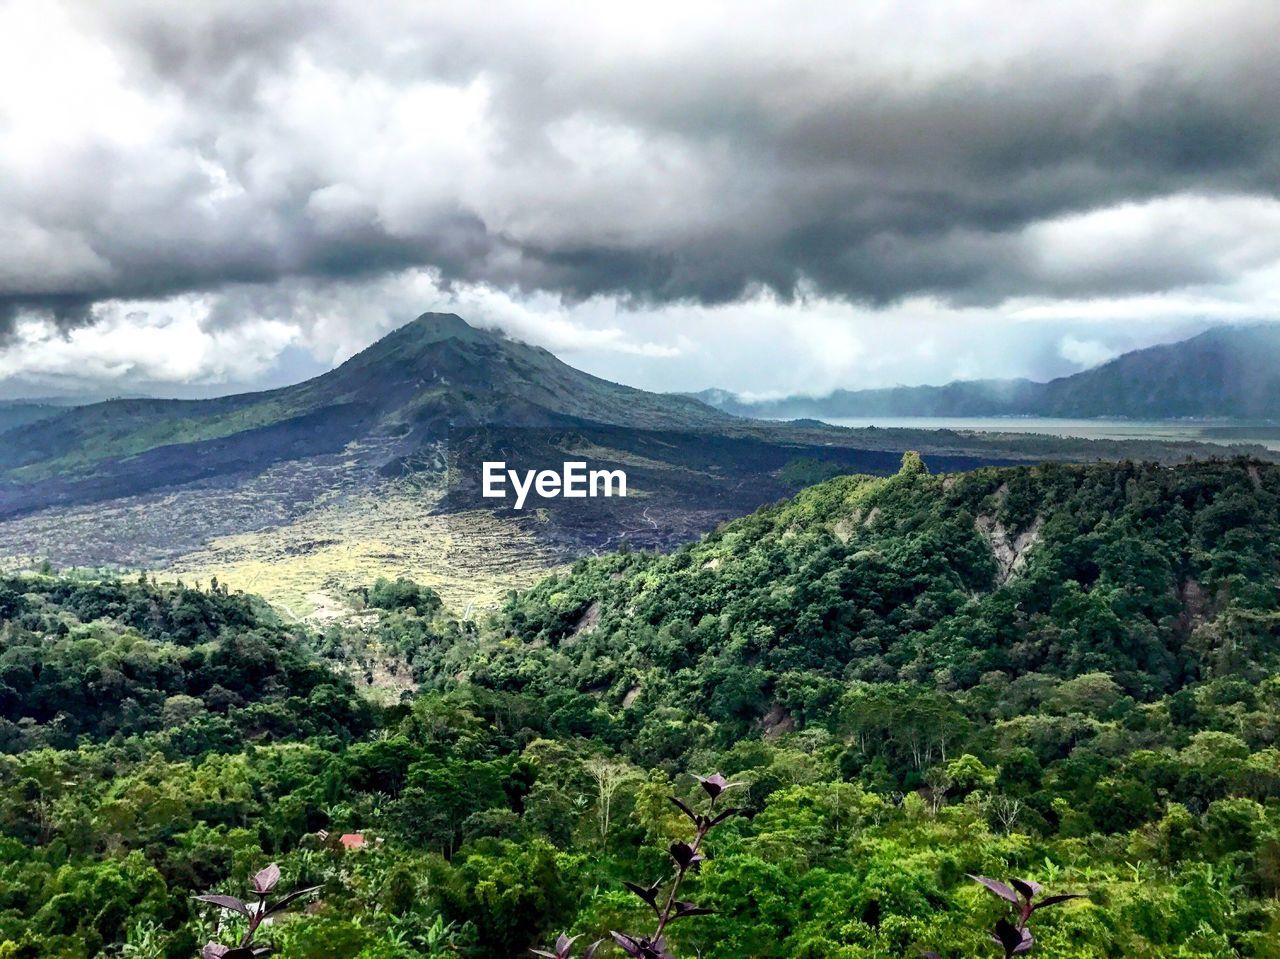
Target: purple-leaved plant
(663, 896)
(1015, 937)
(562, 948)
(264, 882)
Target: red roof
(352, 840)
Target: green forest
(1060, 675)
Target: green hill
(87, 659)
(1156, 576)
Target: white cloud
(1179, 241)
(1085, 353)
(768, 197)
(145, 342)
(762, 347)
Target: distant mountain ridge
(412, 385)
(14, 413)
(391, 411)
(1227, 372)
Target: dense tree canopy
(1066, 673)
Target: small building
(352, 840)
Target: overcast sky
(769, 197)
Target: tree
(1005, 811)
(608, 776)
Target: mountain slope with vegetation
(92, 660)
(1065, 673)
(1157, 576)
(1227, 372)
(432, 374)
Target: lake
(1221, 432)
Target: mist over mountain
(1228, 372)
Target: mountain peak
(436, 328)
(441, 326)
(416, 339)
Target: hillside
(1062, 673)
(1227, 372)
(1156, 576)
(96, 659)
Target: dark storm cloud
(659, 159)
